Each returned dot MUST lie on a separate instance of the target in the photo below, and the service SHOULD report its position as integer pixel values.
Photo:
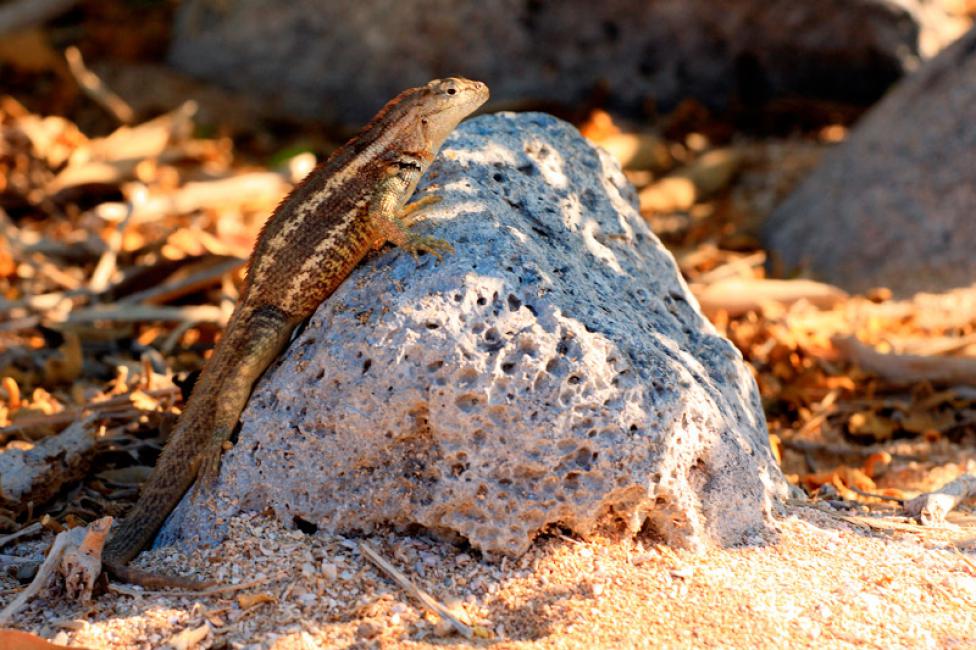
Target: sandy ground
(824, 583)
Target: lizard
(353, 203)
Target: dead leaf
(246, 601)
(18, 640)
(190, 637)
(598, 126)
(869, 423)
(638, 151)
(680, 190)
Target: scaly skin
(356, 201)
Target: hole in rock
(304, 525)
(468, 402)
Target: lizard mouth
(478, 94)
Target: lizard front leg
(414, 211)
(392, 222)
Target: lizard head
(443, 103)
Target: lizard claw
(433, 245)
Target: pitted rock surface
(554, 370)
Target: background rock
(554, 370)
(637, 53)
(895, 205)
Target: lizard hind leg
(209, 468)
(255, 344)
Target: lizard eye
(451, 91)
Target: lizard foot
(416, 243)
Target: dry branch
(428, 601)
(203, 274)
(38, 473)
(26, 531)
(932, 345)
(931, 508)
(96, 88)
(213, 591)
(254, 189)
(738, 296)
(907, 368)
(48, 568)
(112, 159)
(140, 313)
(58, 421)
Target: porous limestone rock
(554, 370)
(337, 60)
(895, 204)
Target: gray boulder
(340, 60)
(555, 370)
(894, 205)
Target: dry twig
(907, 368)
(203, 274)
(26, 531)
(60, 420)
(48, 568)
(257, 189)
(96, 88)
(931, 508)
(36, 474)
(213, 591)
(408, 586)
(141, 313)
(738, 296)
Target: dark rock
(894, 205)
(336, 60)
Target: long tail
(253, 339)
(133, 576)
